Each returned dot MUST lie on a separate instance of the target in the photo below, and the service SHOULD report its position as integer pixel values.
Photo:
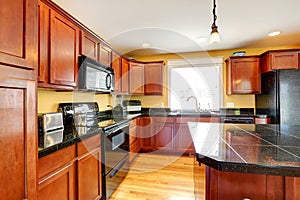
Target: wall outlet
(230, 105)
(162, 104)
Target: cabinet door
(18, 141)
(145, 134)
(243, 76)
(105, 54)
(292, 188)
(136, 78)
(116, 65)
(64, 53)
(284, 60)
(59, 185)
(89, 176)
(18, 41)
(183, 139)
(43, 42)
(88, 45)
(154, 78)
(125, 76)
(164, 134)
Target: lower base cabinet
(233, 185)
(59, 185)
(71, 173)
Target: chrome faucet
(196, 101)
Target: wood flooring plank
(162, 177)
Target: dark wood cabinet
(58, 49)
(292, 188)
(145, 135)
(136, 78)
(153, 78)
(125, 76)
(280, 59)
(116, 65)
(64, 37)
(60, 185)
(57, 175)
(164, 133)
(104, 54)
(243, 75)
(134, 146)
(233, 185)
(89, 45)
(18, 136)
(18, 41)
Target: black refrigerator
(280, 96)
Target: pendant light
(214, 35)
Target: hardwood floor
(162, 177)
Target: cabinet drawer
(186, 119)
(88, 145)
(164, 119)
(56, 160)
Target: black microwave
(94, 76)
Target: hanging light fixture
(214, 35)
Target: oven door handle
(117, 169)
(119, 128)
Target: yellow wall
(48, 100)
(240, 101)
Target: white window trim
(197, 62)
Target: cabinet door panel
(59, 185)
(18, 139)
(183, 139)
(164, 136)
(125, 76)
(89, 45)
(153, 78)
(63, 59)
(284, 60)
(136, 73)
(116, 65)
(18, 41)
(105, 55)
(89, 176)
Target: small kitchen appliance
(50, 129)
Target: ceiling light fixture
(214, 35)
(275, 33)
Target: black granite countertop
(261, 149)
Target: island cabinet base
(234, 185)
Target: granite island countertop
(248, 148)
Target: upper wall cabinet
(58, 50)
(88, 45)
(243, 75)
(18, 40)
(281, 59)
(125, 76)
(116, 65)
(136, 78)
(105, 54)
(153, 78)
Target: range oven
(115, 151)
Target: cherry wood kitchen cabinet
(243, 75)
(18, 139)
(18, 41)
(125, 76)
(164, 133)
(133, 140)
(153, 78)
(136, 78)
(116, 65)
(105, 54)
(58, 49)
(145, 134)
(233, 185)
(89, 171)
(279, 59)
(57, 175)
(89, 45)
(292, 188)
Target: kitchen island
(248, 161)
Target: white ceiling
(177, 25)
